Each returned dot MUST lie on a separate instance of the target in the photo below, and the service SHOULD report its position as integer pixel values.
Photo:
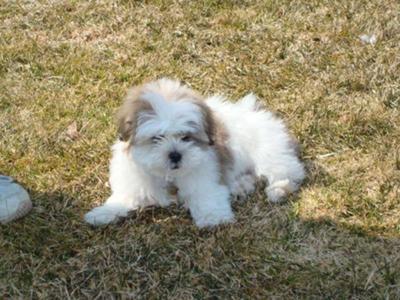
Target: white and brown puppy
(209, 150)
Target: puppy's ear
(127, 116)
(217, 136)
(209, 123)
(125, 126)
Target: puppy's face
(168, 127)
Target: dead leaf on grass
(72, 132)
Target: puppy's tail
(249, 102)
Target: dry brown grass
(70, 62)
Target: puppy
(207, 150)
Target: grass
(67, 63)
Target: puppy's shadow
(60, 207)
(316, 175)
(154, 215)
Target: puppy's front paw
(103, 215)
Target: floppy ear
(209, 123)
(217, 137)
(128, 114)
(125, 126)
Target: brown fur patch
(127, 116)
(218, 137)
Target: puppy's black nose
(175, 157)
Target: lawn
(65, 67)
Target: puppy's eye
(186, 138)
(156, 138)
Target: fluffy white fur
(140, 174)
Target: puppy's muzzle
(175, 157)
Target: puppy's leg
(130, 187)
(113, 209)
(284, 173)
(241, 184)
(208, 200)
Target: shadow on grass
(269, 251)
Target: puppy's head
(168, 126)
